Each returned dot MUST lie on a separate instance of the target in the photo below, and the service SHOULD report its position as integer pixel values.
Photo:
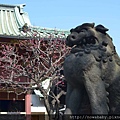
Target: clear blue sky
(66, 14)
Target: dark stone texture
(92, 71)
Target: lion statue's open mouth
(92, 71)
(84, 38)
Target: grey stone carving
(92, 71)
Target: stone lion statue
(92, 71)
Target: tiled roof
(13, 18)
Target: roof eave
(8, 5)
(14, 37)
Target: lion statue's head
(88, 35)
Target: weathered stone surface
(92, 71)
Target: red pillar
(28, 106)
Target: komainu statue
(92, 71)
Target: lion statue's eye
(83, 30)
